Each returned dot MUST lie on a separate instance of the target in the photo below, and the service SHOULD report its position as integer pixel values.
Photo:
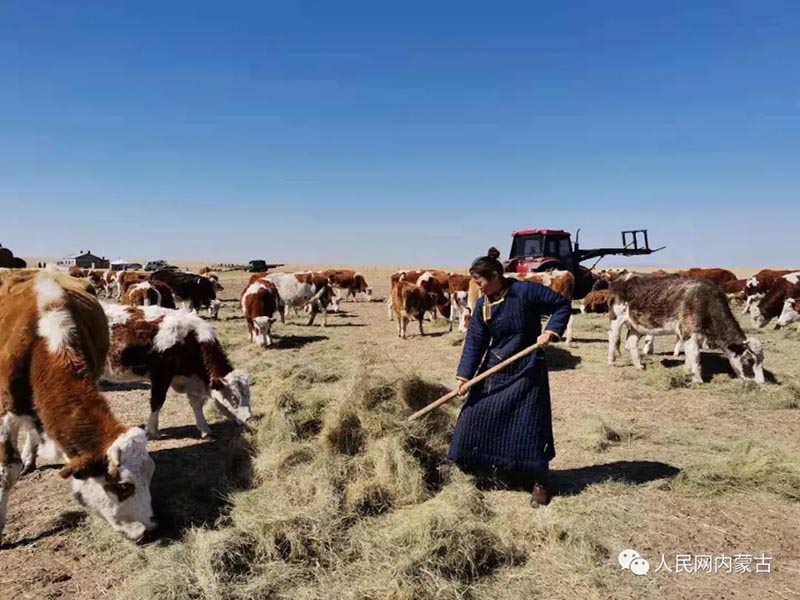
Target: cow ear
(737, 348)
(216, 383)
(83, 467)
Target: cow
(346, 283)
(178, 349)
(562, 282)
(297, 290)
(411, 301)
(458, 289)
(715, 275)
(695, 310)
(260, 301)
(772, 304)
(125, 279)
(789, 313)
(734, 290)
(191, 288)
(149, 293)
(53, 345)
(759, 284)
(596, 302)
(109, 282)
(435, 281)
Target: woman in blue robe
(505, 423)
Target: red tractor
(549, 249)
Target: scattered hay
(598, 435)
(343, 433)
(748, 467)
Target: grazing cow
(179, 349)
(346, 283)
(718, 276)
(411, 301)
(789, 313)
(260, 301)
(458, 288)
(695, 310)
(299, 290)
(596, 302)
(149, 293)
(53, 345)
(772, 304)
(759, 284)
(196, 290)
(562, 282)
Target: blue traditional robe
(506, 422)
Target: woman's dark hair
(488, 266)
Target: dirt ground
(668, 467)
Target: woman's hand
(544, 340)
(460, 387)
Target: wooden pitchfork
(488, 373)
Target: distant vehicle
(159, 265)
(261, 266)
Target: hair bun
(493, 253)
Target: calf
(458, 288)
(596, 302)
(179, 349)
(695, 310)
(149, 293)
(260, 301)
(411, 301)
(196, 290)
(772, 304)
(53, 344)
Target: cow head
(263, 329)
(746, 358)
(117, 487)
(789, 314)
(232, 394)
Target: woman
(505, 423)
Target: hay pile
(348, 500)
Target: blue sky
(399, 133)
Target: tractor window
(532, 247)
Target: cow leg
(196, 400)
(420, 326)
(568, 334)
(390, 308)
(10, 465)
(678, 347)
(159, 384)
(633, 346)
(648, 344)
(283, 312)
(692, 349)
(30, 446)
(613, 339)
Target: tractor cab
(541, 250)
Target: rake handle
(488, 373)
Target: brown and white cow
(149, 293)
(714, 275)
(346, 283)
(458, 288)
(260, 301)
(411, 301)
(760, 283)
(695, 310)
(772, 304)
(434, 281)
(178, 349)
(789, 313)
(53, 345)
(125, 279)
(596, 302)
(562, 282)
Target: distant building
(83, 260)
(124, 265)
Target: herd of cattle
(59, 340)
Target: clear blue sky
(406, 132)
